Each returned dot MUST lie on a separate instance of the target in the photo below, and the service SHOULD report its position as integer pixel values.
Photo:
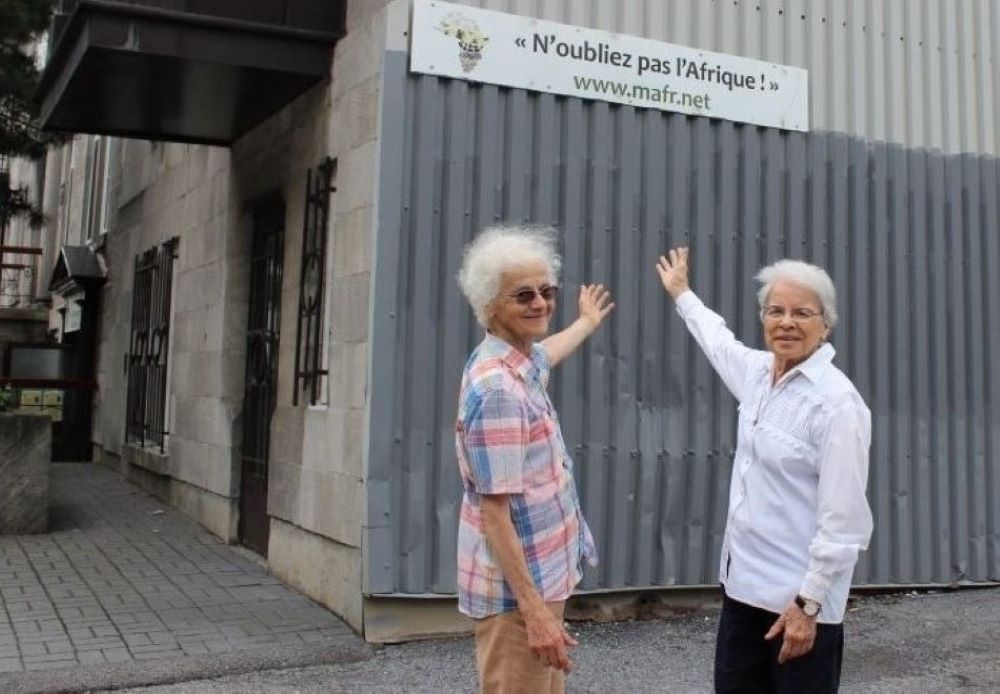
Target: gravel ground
(928, 642)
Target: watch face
(809, 607)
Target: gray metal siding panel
(990, 246)
(921, 73)
(382, 493)
(909, 236)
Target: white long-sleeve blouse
(798, 515)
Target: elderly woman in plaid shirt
(521, 535)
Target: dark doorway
(259, 398)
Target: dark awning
(76, 266)
(207, 74)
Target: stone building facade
(200, 199)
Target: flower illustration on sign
(471, 41)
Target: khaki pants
(506, 664)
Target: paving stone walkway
(123, 578)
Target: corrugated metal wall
(923, 73)
(911, 238)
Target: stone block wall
(316, 493)
(25, 455)
(163, 191)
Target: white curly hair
(812, 277)
(498, 249)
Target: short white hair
(499, 249)
(812, 277)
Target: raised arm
(595, 305)
(729, 357)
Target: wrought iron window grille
(310, 374)
(146, 360)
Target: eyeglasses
(526, 296)
(777, 313)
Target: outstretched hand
(673, 270)
(595, 303)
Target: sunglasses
(526, 296)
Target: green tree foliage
(22, 22)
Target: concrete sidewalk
(125, 591)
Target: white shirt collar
(813, 367)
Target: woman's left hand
(595, 303)
(799, 633)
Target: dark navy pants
(747, 664)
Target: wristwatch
(810, 608)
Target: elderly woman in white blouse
(798, 516)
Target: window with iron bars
(146, 409)
(310, 373)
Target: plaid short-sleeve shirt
(508, 441)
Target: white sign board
(497, 48)
(74, 313)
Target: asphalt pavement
(914, 643)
